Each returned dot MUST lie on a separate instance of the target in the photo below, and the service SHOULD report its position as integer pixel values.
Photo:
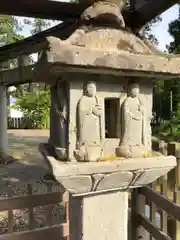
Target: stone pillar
(54, 121)
(102, 216)
(3, 122)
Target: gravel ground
(29, 167)
(29, 164)
(21, 216)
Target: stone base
(5, 160)
(88, 177)
(131, 151)
(100, 216)
(61, 153)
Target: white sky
(159, 29)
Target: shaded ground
(23, 146)
(29, 167)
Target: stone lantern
(103, 76)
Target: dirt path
(23, 146)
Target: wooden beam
(142, 11)
(137, 3)
(33, 200)
(18, 75)
(150, 228)
(145, 12)
(41, 9)
(138, 205)
(47, 9)
(36, 42)
(162, 202)
(56, 232)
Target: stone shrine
(101, 110)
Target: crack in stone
(94, 187)
(136, 175)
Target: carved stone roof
(103, 42)
(115, 51)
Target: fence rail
(163, 198)
(15, 123)
(162, 202)
(57, 231)
(24, 123)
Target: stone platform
(88, 177)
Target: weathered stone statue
(133, 141)
(89, 127)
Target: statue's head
(134, 89)
(91, 89)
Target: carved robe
(89, 121)
(133, 123)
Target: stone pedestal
(98, 205)
(99, 216)
(3, 122)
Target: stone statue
(89, 125)
(133, 139)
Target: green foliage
(164, 131)
(9, 33)
(33, 101)
(35, 107)
(9, 28)
(147, 30)
(37, 24)
(169, 130)
(166, 127)
(174, 31)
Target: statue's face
(91, 89)
(134, 90)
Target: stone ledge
(99, 176)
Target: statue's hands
(99, 107)
(89, 112)
(141, 109)
(138, 116)
(97, 110)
